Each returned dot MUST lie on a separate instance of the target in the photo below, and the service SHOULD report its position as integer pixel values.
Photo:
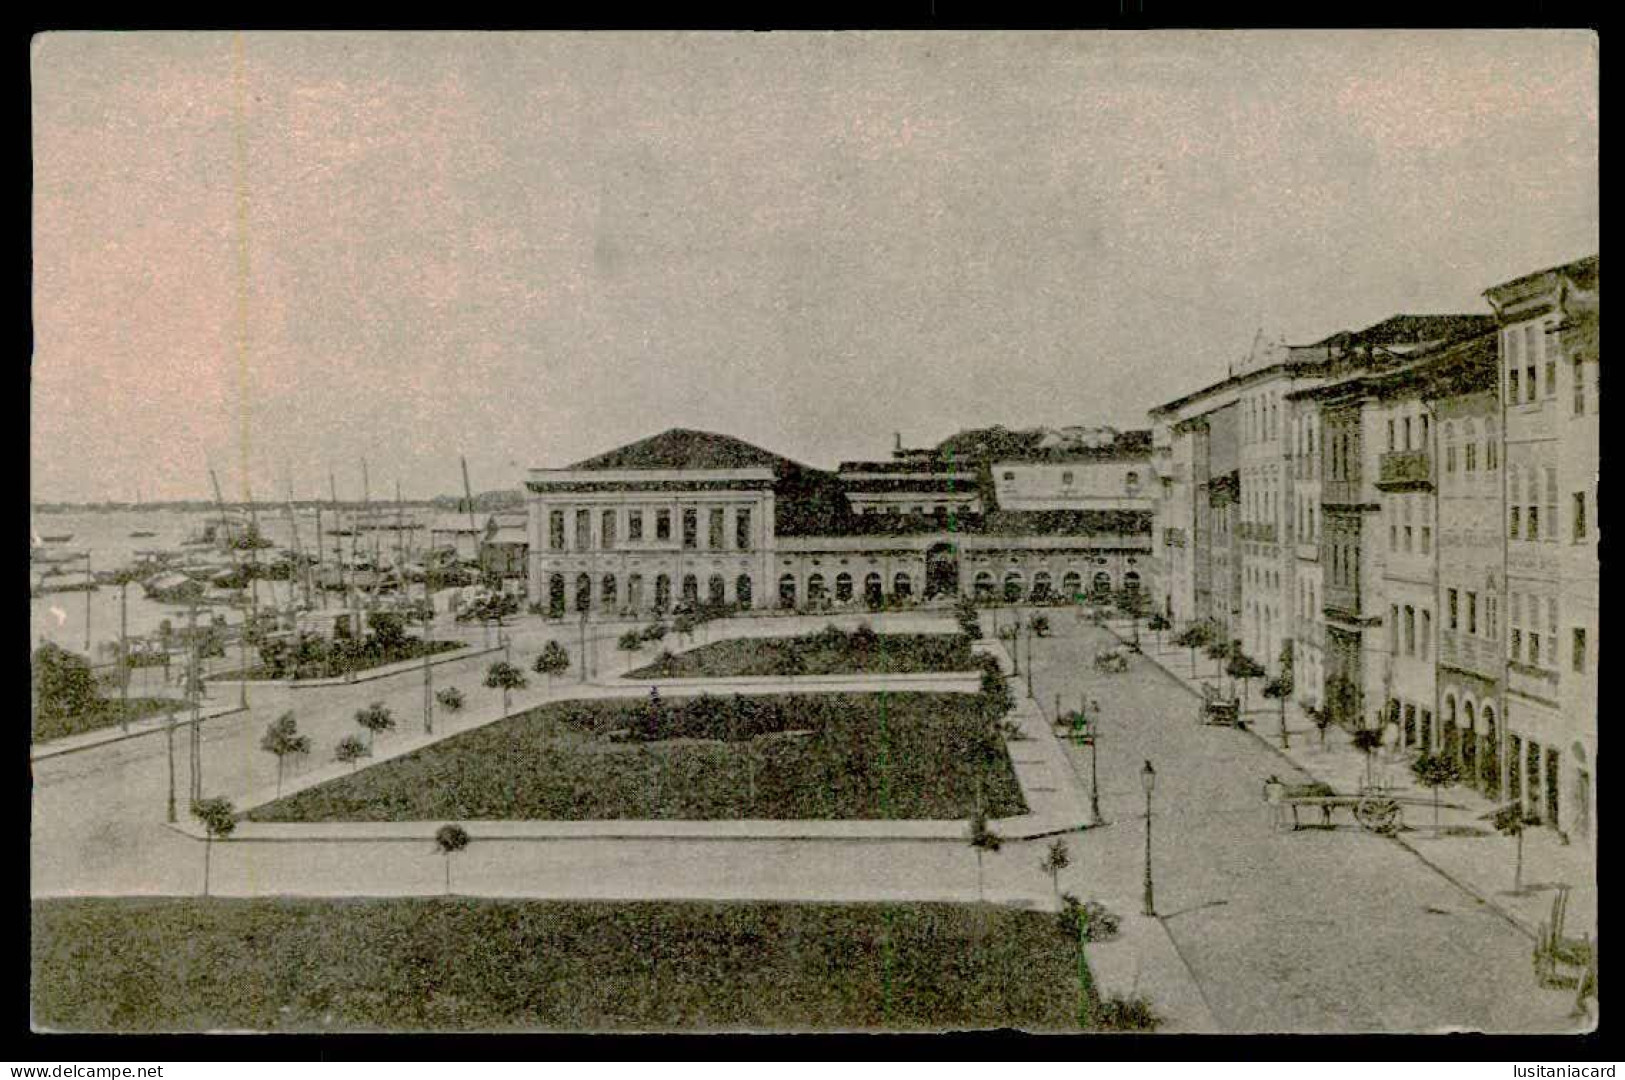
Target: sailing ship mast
(468, 496)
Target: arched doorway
(555, 595)
(718, 589)
(583, 592)
(742, 591)
(1101, 587)
(634, 592)
(983, 585)
(1469, 739)
(815, 589)
(843, 587)
(1490, 754)
(872, 589)
(1579, 823)
(941, 571)
(1041, 585)
(1072, 585)
(608, 591)
(1012, 586)
(787, 591)
(691, 590)
(1131, 590)
(902, 586)
(662, 592)
(1449, 744)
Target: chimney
(897, 437)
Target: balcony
(1259, 531)
(1405, 470)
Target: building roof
(681, 448)
(1410, 330)
(458, 522)
(1584, 271)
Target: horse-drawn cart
(1375, 809)
(1218, 709)
(1111, 661)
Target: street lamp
(1148, 780)
(1087, 733)
(1029, 658)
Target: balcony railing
(1261, 531)
(1405, 470)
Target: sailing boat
(137, 506)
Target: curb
(1397, 839)
(401, 668)
(46, 755)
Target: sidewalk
(147, 725)
(1466, 849)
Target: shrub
(631, 641)
(1133, 1013)
(1100, 924)
(654, 631)
(450, 699)
(350, 750)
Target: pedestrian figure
(1275, 798)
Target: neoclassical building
(694, 516)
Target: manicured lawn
(105, 715)
(138, 964)
(786, 756)
(823, 653)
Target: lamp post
(582, 667)
(1086, 726)
(1029, 658)
(1148, 780)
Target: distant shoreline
(484, 501)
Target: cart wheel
(1378, 814)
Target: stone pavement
(1466, 848)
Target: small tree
(450, 699)
(1056, 860)
(1366, 740)
(450, 839)
(983, 840)
(219, 820)
(282, 738)
(1436, 771)
(1511, 820)
(1157, 623)
(507, 678)
(63, 683)
(374, 719)
(1279, 689)
(350, 750)
(1320, 717)
(1245, 668)
(1193, 637)
(684, 625)
(631, 642)
(1218, 651)
(553, 660)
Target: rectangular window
(1551, 503)
(1551, 378)
(607, 529)
(1472, 613)
(1393, 537)
(1534, 648)
(717, 529)
(1424, 443)
(1579, 660)
(1529, 387)
(662, 524)
(1427, 631)
(1533, 531)
(1427, 539)
(1390, 435)
(1514, 649)
(1393, 629)
(634, 524)
(1450, 607)
(1512, 518)
(555, 530)
(583, 530)
(1579, 387)
(1407, 433)
(1512, 386)
(1472, 458)
(742, 538)
(1407, 539)
(691, 528)
(1450, 458)
(1410, 630)
(1492, 625)
(1579, 516)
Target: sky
(278, 254)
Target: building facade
(1549, 400)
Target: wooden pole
(89, 581)
(123, 656)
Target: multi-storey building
(693, 517)
(1471, 564)
(1549, 400)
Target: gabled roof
(681, 448)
